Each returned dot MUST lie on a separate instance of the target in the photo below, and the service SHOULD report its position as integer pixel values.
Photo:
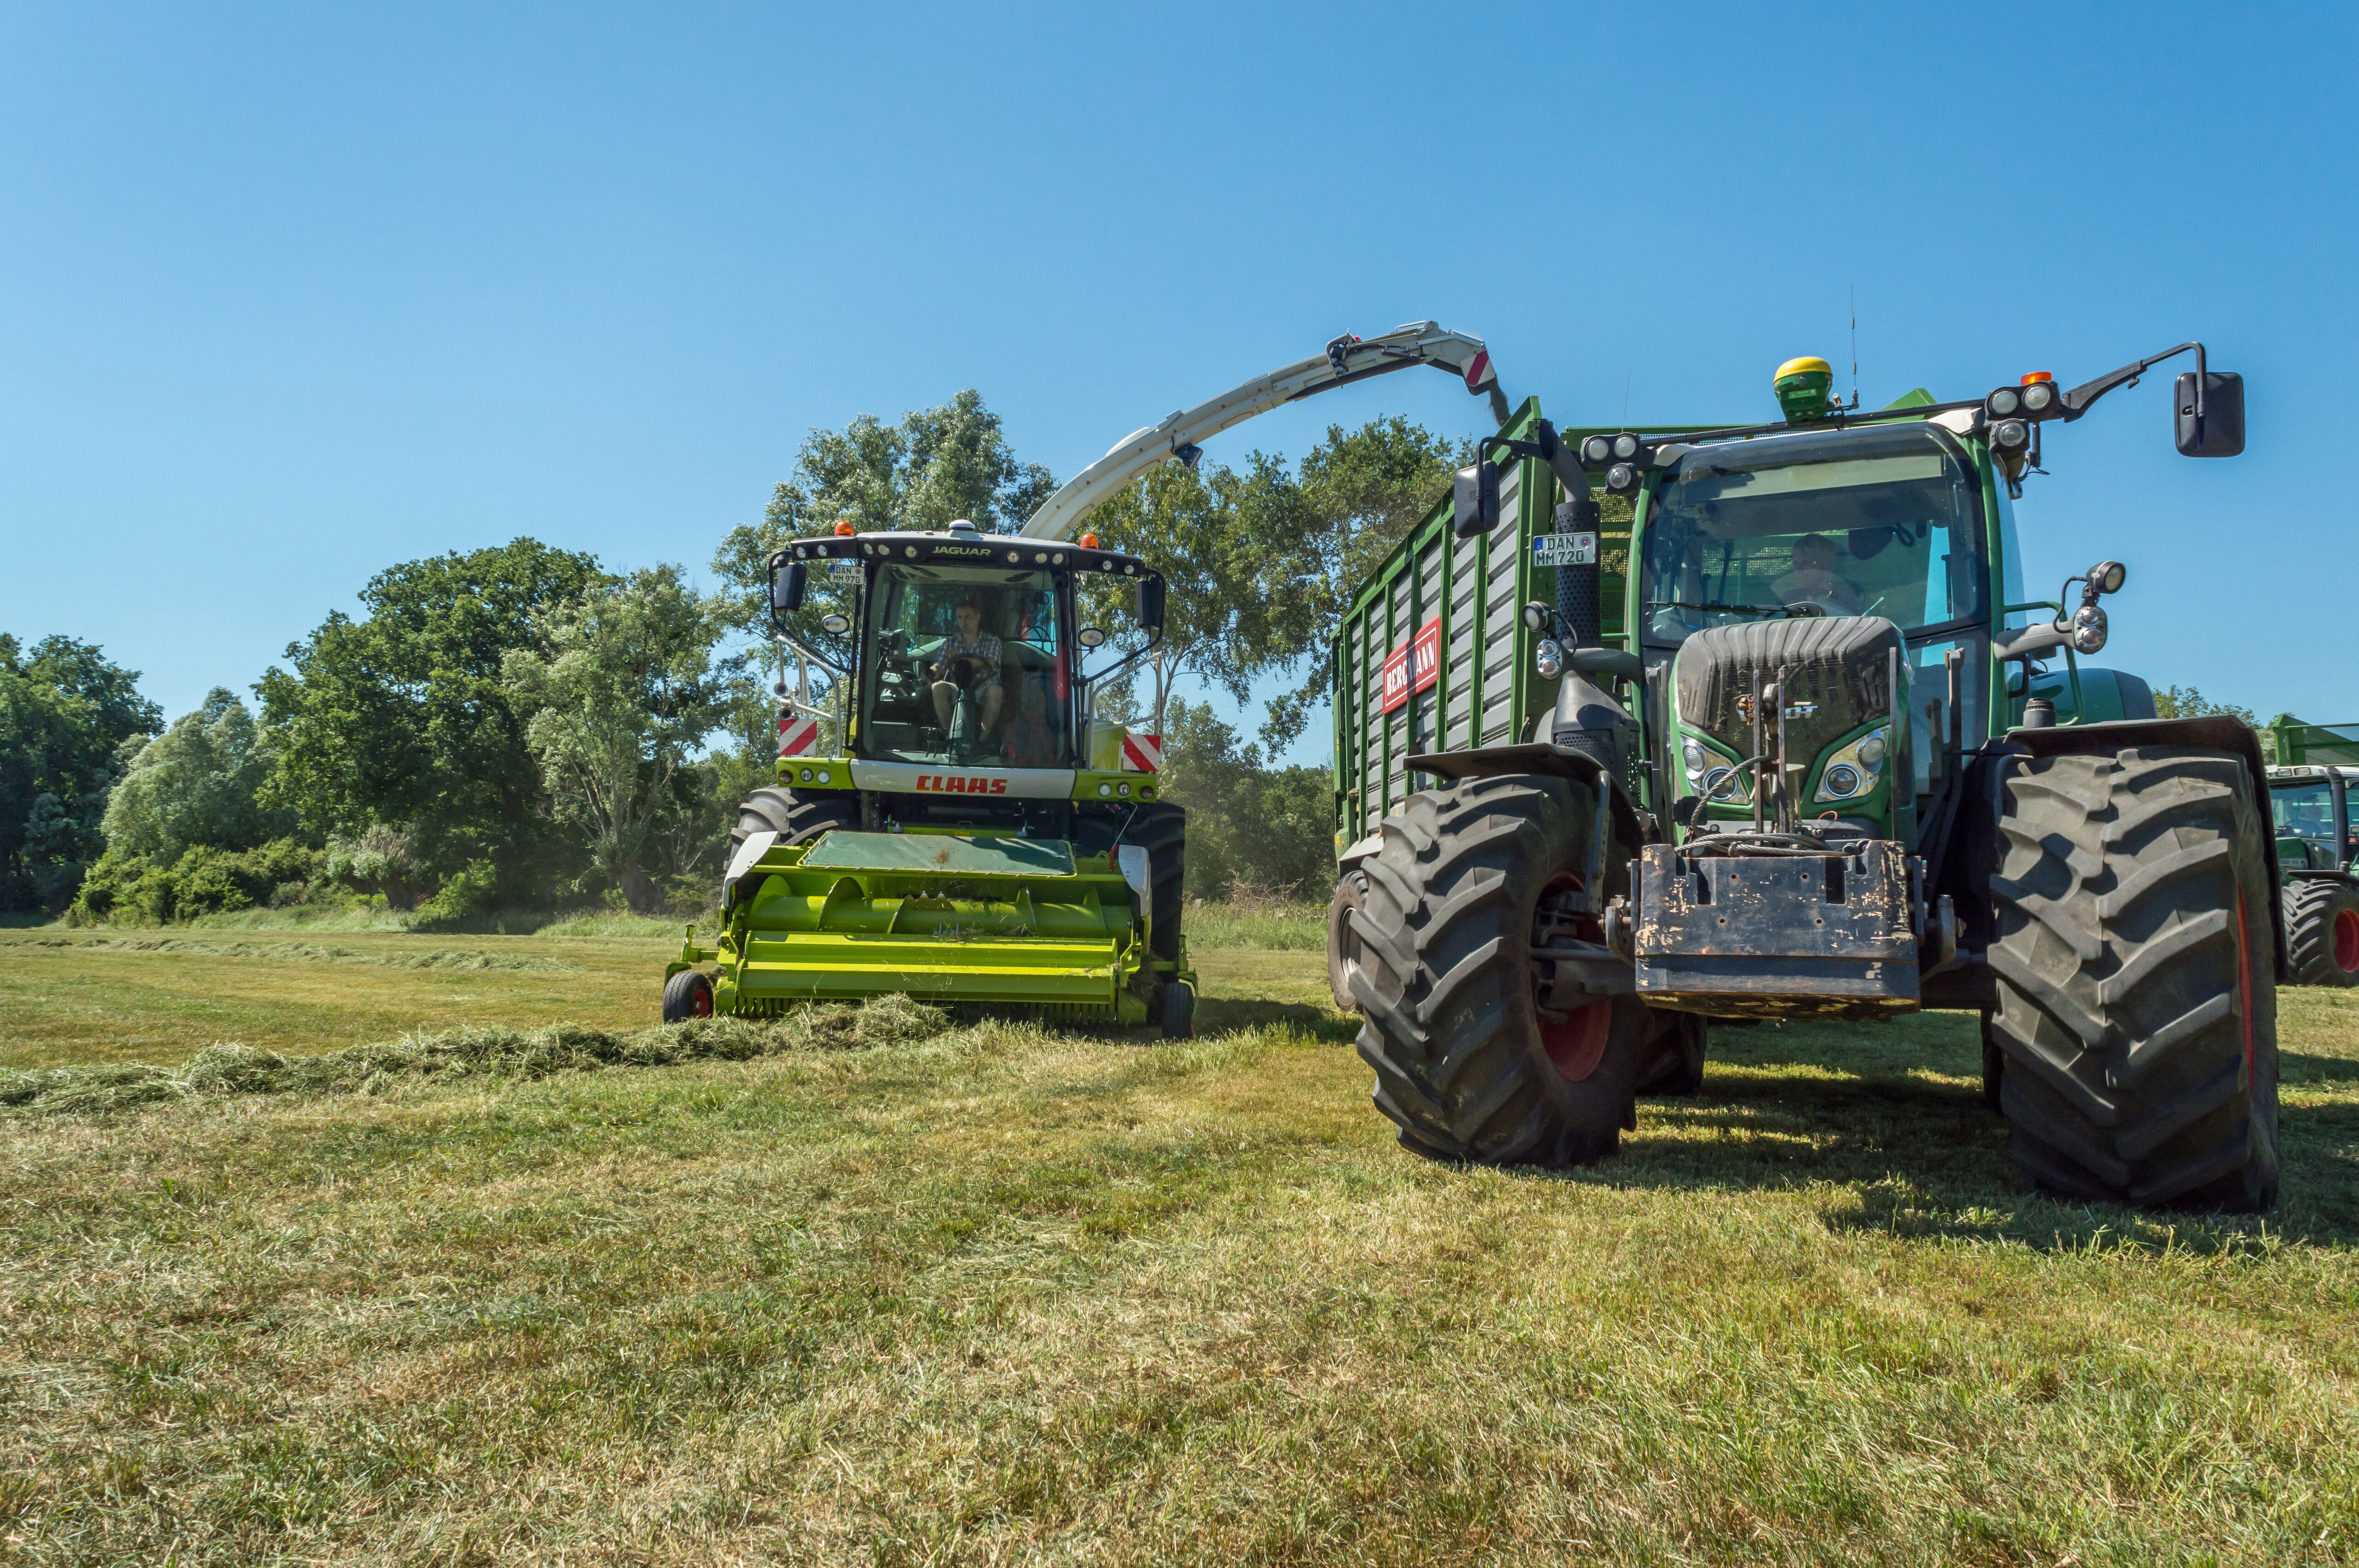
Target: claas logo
(954, 783)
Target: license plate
(843, 571)
(1564, 550)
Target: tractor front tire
(795, 819)
(2136, 980)
(1466, 1065)
(2322, 922)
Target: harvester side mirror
(787, 584)
(1150, 603)
(2218, 430)
(1474, 500)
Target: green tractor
(2311, 796)
(976, 837)
(1644, 729)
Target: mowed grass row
(1001, 1292)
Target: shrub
(130, 886)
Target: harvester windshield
(1885, 520)
(966, 665)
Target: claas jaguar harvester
(972, 831)
(1645, 727)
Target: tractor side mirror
(788, 582)
(1474, 500)
(1150, 603)
(2218, 430)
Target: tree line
(517, 727)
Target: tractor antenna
(1855, 345)
(1625, 400)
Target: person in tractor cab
(968, 662)
(1813, 579)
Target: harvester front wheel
(1162, 831)
(2321, 920)
(2136, 980)
(795, 819)
(687, 995)
(1467, 1065)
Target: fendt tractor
(975, 831)
(1790, 740)
(2311, 796)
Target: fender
(1979, 810)
(1538, 757)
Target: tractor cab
(2310, 806)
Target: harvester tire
(687, 995)
(1342, 941)
(2136, 980)
(795, 819)
(1162, 831)
(1178, 1008)
(2321, 920)
(1447, 987)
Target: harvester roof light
(2037, 377)
(800, 552)
(1039, 557)
(1626, 445)
(1015, 557)
(1089, 541)
(843, 526)
(1057, 559)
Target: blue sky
(287, 295)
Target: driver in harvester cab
(968, 661)
(1813, 579)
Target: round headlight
(1626, 445)
(1842, 779)
(807, 776)
(1871, 752)
(1105, 789)
(2089, 630)
(2005, 402)
(1694, 754)
(2012, 434)
(1719, 784)
(1122, 789)
(1621, 476)
(2040, 396)
(1596, 449)
(825, 776)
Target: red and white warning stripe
(797, 734)
(1141, 754)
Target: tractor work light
(2089, 630)
(1621, 477)
(1549, 658)
(1597, 451)
(2011, 436)
(2035, 398)
(1626, 445)
(2107, 577)
(2003, 403)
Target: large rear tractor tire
(1467, 1065)
(795, 819)
(2136, 980)
(2322, 921)
(1342, 941)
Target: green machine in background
(2313, 799)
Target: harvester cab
(1819, 760)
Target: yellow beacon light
(1803, 387)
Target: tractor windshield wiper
(1787, 610)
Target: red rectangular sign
(1415, 667)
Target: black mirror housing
(2218, 430)
(1474, 500)
(788, 582)
(1150, 603)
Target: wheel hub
(2347, 940)
(1575, 1042)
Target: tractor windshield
(1885, 520)
(2308, 836)
(965, 665)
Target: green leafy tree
(620, 697)
(198, 783)
(69, 720)
(399, 726)
(1250, 827)
(2185, 702)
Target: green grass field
(896, 1288)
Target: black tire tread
(2121, 1039)
(1443, 985)
(2311, 905)
(1161, 829)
